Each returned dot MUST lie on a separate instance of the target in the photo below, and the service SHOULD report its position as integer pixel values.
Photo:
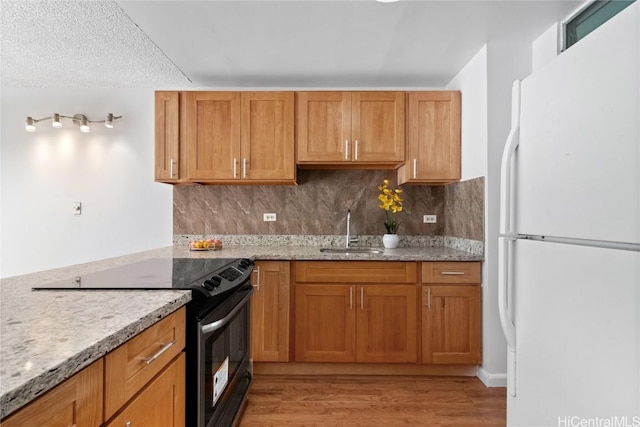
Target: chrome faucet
(349, 240)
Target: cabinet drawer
(356, 272)
(131, 366)
(451, 272)
(162, 403)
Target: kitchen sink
(352, 250)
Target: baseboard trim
(269, 368)
(492, 380)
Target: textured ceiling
(79, 44)
(185, 44)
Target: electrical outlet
(77, 208)
(429, 219)
(269, 217)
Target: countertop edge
(19, 397)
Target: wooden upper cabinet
(267, 135)
(240, 137)
(213, 135)
(350, 129)
(433, 138)
(167, 137)
(323, 126)
(378, 124)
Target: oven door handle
(218, 324)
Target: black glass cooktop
(156, 273)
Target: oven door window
(224, 361)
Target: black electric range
(218, 337)
(207, 277)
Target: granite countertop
(47, 336)
(312, 253)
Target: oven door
(224, 373)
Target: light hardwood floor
(373, 401)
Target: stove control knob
(244, 263)
(215, 280)
(208, 284)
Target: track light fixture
(78, 119)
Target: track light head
(29, 124)
(56, 121)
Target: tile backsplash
(318, 206)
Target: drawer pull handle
(164, 348)
(452, 273)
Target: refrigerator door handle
(507, 159)
(508, 327)
(507, 238)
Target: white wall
(545, 48)
(109, 170)
(486, 83)
(472, 81)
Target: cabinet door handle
(356, 148)
(171, 168)
(127, 424)
(235, 167)
(256, 270)
(346, 149)
(429, 298)
(244, 167)
(361, 299)
(415, 168)
(452, 273)
(164, 348)
(350, 298)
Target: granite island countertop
(47, 336)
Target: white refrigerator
(569, 244)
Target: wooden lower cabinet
(451, 324)
(325, 323)
(451, 312)
(386, 324)
(356, 323)
(161, 403)
(270, 311)
(141, 382)
(75, 402)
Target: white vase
(390, 241)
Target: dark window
(591, 17)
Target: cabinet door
(270, 312)
(213, 136)
(323, 126)
(378, 123)
(433, 139)
(325, 323)
(161, 403)
(167, 136)
(75, 402)
(267, 136)
(451, 330)
(132, 365)
(387, 323)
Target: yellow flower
(390, 200)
